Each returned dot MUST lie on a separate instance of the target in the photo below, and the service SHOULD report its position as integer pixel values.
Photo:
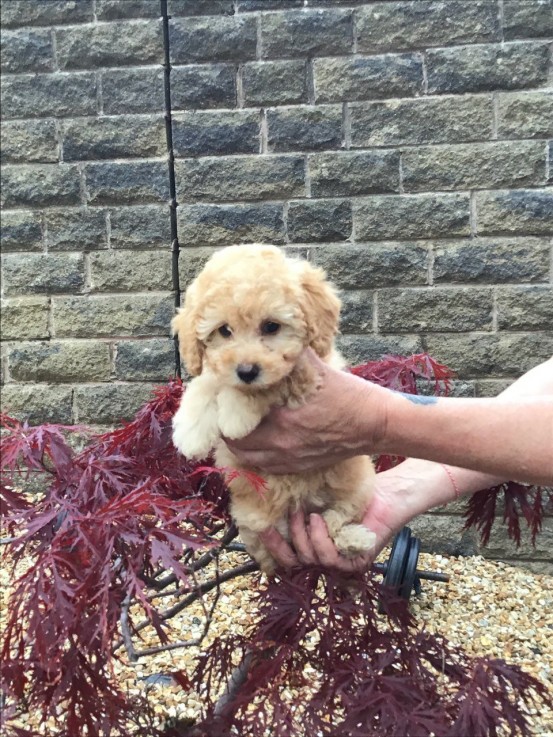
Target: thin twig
(204, 588)
(234, 683)
(124, 619)
(202, 562)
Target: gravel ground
(490, 608)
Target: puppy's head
(251, 312)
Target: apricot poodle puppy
(246, 321)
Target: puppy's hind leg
(195, 427)
(351, 539)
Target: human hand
(394, 503)
(345, 416)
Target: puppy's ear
(321, 308)
(184, 326)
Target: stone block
(491, 387)
(358, 349)
(349, 78)
(54, 12)
(60, 361)
(199, 86)
(492, 260)
(525, 308)
(525, 114)
(21, 230)
(490, 355)
(353, 173)
(29, 142)
(212, 39)
(524, 211)
(100, 45)
(192, 262)
(121, 137)
(207, 133)
(434, 309)
(145, 360)
(456, 389)
(117, 10)
(245, 5)
(43, 273)
(509, 66)
(319, 220)
(128, 183)
(373, 265)
(420, 216)
(48, 95)
(130, 271)
(140, 226)
(474, 166)
(305, 128)
(38, 403)
(444, 535)
(306, 32)
(110, 404)
(421, 120)
(24, 319)
(527, 19)
(274, 82)
(199, 7)
(98, 316)
(75, 229)
(357, 312)
(241, 178)
(40, 185)
(27, 50)
(502, 547)
(225, 225)
(137, 90)
(392, 26)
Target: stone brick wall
(403, 145)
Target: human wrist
(371, 412)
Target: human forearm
(511, 438)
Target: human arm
(510, 436)
(403, 492)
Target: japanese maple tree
(125, 518)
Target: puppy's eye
(225, 331)
(269, 328)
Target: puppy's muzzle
(248, 372)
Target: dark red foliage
(370, 679)
(124, 518)
(518, 500)
(405, 373)
(111, 516)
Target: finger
(257, 458)
(328, 554)
(300, 538)
(279, 548)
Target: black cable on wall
(173, 204)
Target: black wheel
(395, 572)
(409, 581)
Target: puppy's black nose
(248, 372)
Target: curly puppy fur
(246, 321)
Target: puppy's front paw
(191, 441)
(352, 540)
(237, 425)
(195, 429)
(238, 414)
